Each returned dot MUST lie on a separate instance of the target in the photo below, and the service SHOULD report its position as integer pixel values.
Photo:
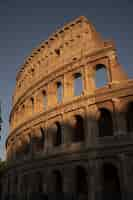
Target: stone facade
(66, 143)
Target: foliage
(3, 166)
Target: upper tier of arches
(66, 45)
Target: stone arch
(57, 180)
(101, 75)
(39, 181)
(110, 182)
(78, 132)
(24, 145)
(59, 91)
(105, 123)
(57, 134)
(32, 104)
(81, 181)
(42, 141)
(38, 140)
(78, 84)
(129, 117)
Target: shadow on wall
(80, 134)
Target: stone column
(49, 137)
(119, 117)
(29, 108)
(91, 126)
(94, 186)
(117, 73)
(67, 131)
(123, 176)
(46, 140)
(90, 80)
(68, 87)
(52, 97)
(38, 102)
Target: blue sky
(23, 24)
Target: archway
(78, 129)
(81, 182)
(39, 182)
(105, 123)
(110, 182)
(57, 137)
(129, 117)
(57, 182)
(101, 75)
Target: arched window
(32, 105)
(81, 182)
(59, 92)
(78, 85)
(105, 123)
(57, 181)
(23, 110)
(44, 100)
(57, 134)
(110, 182)
(129, 117)
(101, 75)
(42, 139)
(78, 129)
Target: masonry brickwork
(45, 153)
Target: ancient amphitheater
(69, 132)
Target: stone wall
(56, 139)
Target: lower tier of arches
(79, 177)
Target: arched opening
(105, 123)
(57, 182)
(57, 135)
(59, 92)
(39, 140)
(101, 75)
(23, 110)
(39, 182)
(42, 139)
(110, 182)
(44, 100)
(32, 105)
(81, 182)
(129, 117)
(78, 129)
(78, 85)
(25, 186)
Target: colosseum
(71, 123)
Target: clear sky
(24, 23)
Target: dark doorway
(81, 183)
(57, 182)
(111, 183)
(57, 134)
(105, 123)
(129, 117)
(39, 182)
(78, 132)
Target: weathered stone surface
(45, 131)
